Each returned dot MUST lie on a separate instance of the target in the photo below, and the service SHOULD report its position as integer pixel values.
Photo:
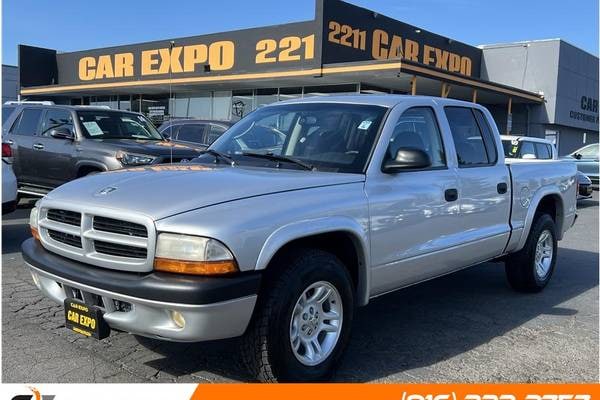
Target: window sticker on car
(93, 128)
(365, 125)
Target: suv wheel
(530, 269)
(302, 324)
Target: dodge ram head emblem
(107, 190)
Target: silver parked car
(532, 148)
(299, 213)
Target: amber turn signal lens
(195, 267)
(35, 233)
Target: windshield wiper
(218, 154)
(277, 157)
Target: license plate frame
(85, 319)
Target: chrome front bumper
(153, 318)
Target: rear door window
(28, 122)
(468, 139)
(214, 133)
(192, 133)
(56, 119)
(6, 113)
(543, 151)
(527, 150)
(488, 136)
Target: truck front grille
(65, 238)
(119, 250)
(98, 237)
(118, 226)
(65, 217)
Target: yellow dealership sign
(219, 55)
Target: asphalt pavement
(465, 327)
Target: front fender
(298, 230)
(90, 163)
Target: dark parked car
(586, 159)
(198, 132)
(53, 144)
(585, 186)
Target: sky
(69, 25)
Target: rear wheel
(530, 269)
(302, 323)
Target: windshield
(589, 151)
(510, 148)
(327, 136)
(98, 124)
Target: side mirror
(407, 158)
(577, 156)
(62, 133)
(167, 136)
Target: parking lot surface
(464, 327)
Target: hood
(152, 148)
(164, 190)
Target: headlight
(185, 254)
(33, 223)
(134, 159)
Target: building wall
(10, 86)
(531, 66)
(572, 139)
(577, 103)
(566, 75)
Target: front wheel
(530, 269)
(302, 324)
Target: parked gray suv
(53, 144)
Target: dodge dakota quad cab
(53, 144)
(299, 213)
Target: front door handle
(38, 146)
(502, 188)
(451, 194)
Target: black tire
(520, 266)
(266, 347)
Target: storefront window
(265, 96)
(136, 103)
(241, 103)
(155, 108)
(222, 105)
(290, 93)
(329, 90)
(371, 89)
(110, 101)
(179, 106)
(200, 105)
(125, 102)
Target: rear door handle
(451, 194)
(38, 146)
(502, 188)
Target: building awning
(392, 75)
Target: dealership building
(545, 88)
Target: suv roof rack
(41, 103)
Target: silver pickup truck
(299, 213)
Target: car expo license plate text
(85, 320)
